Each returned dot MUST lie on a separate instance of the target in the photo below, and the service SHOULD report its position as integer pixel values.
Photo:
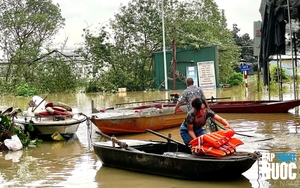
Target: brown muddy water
(73, 163)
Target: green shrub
(236, 78)
(273, 73)
(25, 90)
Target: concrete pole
(164, 44)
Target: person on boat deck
(188, 94)
(192, 125)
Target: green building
(185, 58)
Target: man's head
(189, 81)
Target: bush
(273, 73)
(236, 78)
(25, 90)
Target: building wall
(184, 58)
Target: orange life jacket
(215, 139)
(218, 144)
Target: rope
(89, 130)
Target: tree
(137, 34)
(245, 43)
(26, 26)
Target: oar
(114, 139)
(213, 98)
(119, 104)
(211, 119)
(165, 137)
(263, 139)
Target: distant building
(83, 69)
(286, 63)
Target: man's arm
(177, 106)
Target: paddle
(165, 137)
(212, 120)
(213, 98)
(263, 139)
(115, 140)
(119, 104)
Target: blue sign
(191, 71)
(245, 67)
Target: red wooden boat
(265, 106)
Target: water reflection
(51, 164)
(111, 177)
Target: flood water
(73, 163)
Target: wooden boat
(55, 121)
(171, 159)
(264, 106)
(137, 121)
(160, 115)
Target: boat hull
(137, 122)
(138, 119)
(171, 160)
(47, 126)
(254, 106)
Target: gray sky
(80, 14)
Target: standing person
(192, 125)
(188, 94)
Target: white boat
(53, 119)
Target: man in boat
(189, 94)
(196, 118)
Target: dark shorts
(185, 134)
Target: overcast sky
(82, 13)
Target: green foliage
(26, 26)
(119, 57)
(245, 43)
(8, 128)
(236, 78)
(258, 84)
(51, 75)
(274, 73)
(55, 75)
(24, 90)
(137, 34)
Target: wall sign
(206, 74)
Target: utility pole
(174, 59)
(164, 44)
